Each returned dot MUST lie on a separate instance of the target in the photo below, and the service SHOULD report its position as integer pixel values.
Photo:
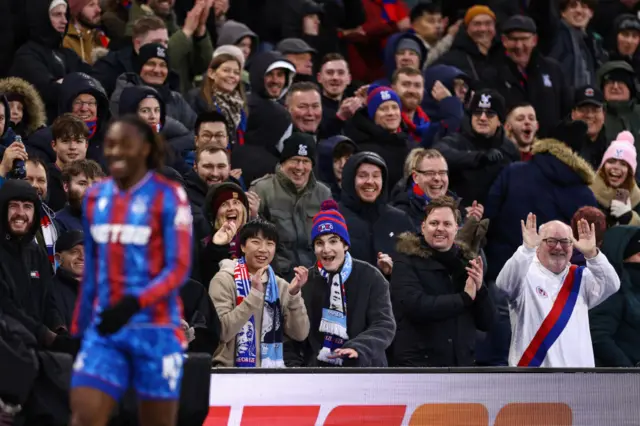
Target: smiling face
(20, 217)
(231, 211)
(85, 107)
(37, 177)
(482, 30)
(298, 170)
(154, 72)
(368, 182)
(125, 152)
(258, 252)
(410, 88)
(274, 82)
(330, 251)
(577, 14)
(388, 116)
(519, 46)
(149, 110)
(70, 149)
(616, 91)
(334, 77)
(555, 250)
(628, 41)
(226, 77)
(432, 176)
(439, 228)
(306, 110)
(161, 7)
(407, 58)
(72, 260)
(615, 172)
(213, 168)
(591, 114)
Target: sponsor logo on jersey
(123, 234)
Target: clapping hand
(586, 242)
(385, 264)
(474, 277)
(476, 210)
(530, 235)
(254, 204)
(300, 279)
(225, 234)
(256, 279)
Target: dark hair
(564, 4)
(257, 227)
(145, 24)
(155, 160)
(89, 168)
(333, 56)
(212, 149)
(517, 105)
(343, 149)
(445, 202)
(302, 86)
(67, 127)
(423, 8)
(405, 71)
(38, 162)
(592, 215)
(209, 117)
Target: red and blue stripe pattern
(137, 242)
(391, 10)
(556, 320)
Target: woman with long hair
(223, 91)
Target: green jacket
(615, 324)
(620, 115)
(188, 56)
(292, 212)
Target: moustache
(18, 217)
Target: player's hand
(118, 315)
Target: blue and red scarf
(418, 126)
(93, 127)
(391, 10)
(556, 320)
(416, 192)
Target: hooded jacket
(232, 32)
(175, 104)
(465, 55)
(324, 167)
(390, 54)
(553, 185)
(25, 271)
(34, 115)
(470, 176)
(620, 115)
(615, 323)
(42, 60)
(74, 84)
(65, 289)
(178, 137)
(373, 227)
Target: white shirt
(532, 289)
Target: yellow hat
(474, 11)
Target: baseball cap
(588, 95)
(519, 23)
(69, 240)
(295, 46)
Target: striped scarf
(418, 126)
(391, 10)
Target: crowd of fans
(393, 158)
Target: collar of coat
(411, 244)
(605, 194)
(563, 153)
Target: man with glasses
(524, 75)
(549, 299)
(480, 151)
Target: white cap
(55, 3)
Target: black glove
(493, 155)
(115, 317)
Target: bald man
(549, 298)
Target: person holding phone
(615, 185)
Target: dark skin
(126, 153)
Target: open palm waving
(586, 241)
(530, 235)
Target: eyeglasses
(220, 136)
(552, 242)
(489, 113)
(79, 103)
(432, 173)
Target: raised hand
(530, 236)
(256, 279)
(476, 210)
(385, 264)
(225, 234)
(586, 242)
(254, 204)
(474, 272)
(300, 279)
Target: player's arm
(177, 224)
(84, 304)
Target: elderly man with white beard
(549, 298)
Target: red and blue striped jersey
(137, 242)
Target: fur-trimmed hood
(605, 193)
(34, 115)
(411, 244)
(564, 154)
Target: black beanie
(622, 76)
(633, 246)
(299, 145)
(490, 100)
(149, 51)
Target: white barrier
(458, 399)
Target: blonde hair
(242, 220)
(416, 156)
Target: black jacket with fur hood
(34, 115)
(436, 319)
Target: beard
(87, 23)
(75, 201)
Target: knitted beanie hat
(330, 221)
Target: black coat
(56, 197)
(544, 86)
(370, 322)
(373, 227)
(25, 271)
(200, 313)
(465, 55)
(436, 319)
(392, 147)
(469, 176)
(197, 191)
(65, 293)
(108, 68)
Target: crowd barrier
(425, 397)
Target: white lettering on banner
(393, 399)
(123, 234)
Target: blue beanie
(376, 95)
(329, 221)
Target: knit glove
(116, 316)
(492, 156)
(620, 208)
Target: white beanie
(232, 50)
(55, 3)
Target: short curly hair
(592, 215)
